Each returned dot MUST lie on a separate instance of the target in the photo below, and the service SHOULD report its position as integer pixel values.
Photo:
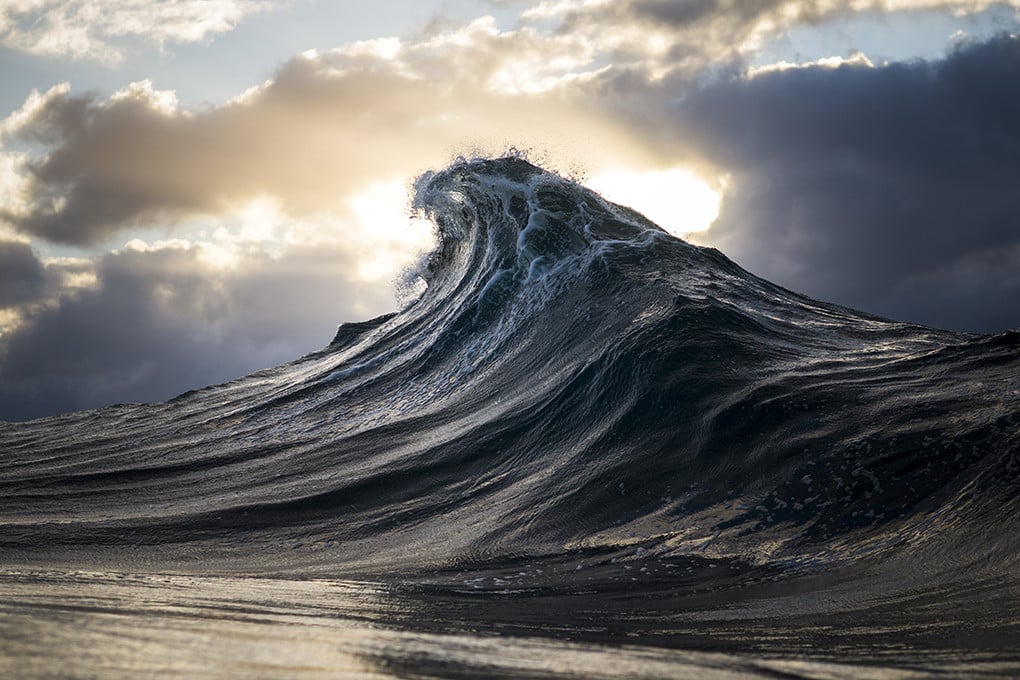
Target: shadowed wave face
(578, 405)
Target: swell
(573, 381)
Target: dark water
(588, 449)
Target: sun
(675, 199)
(393, 237)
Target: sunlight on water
(120, 625)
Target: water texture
(588, 449)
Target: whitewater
(588, 449)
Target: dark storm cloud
(738, 15)
(161, 322)
(892, 189)
(22, 276)
(742, 16)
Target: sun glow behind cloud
(674, 199)
(391, 237)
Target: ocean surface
(587, 449)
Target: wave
(574, 388)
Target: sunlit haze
(674, 199)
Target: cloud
(100, 29)
(22, 276)
(321, 130)
(695, 36)
(327, 125)
(890, 189)
(160, 320)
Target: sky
(191, 190)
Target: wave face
(575, 392)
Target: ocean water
(588, 449)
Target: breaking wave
(577, 401)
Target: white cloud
(855, 59)
(99, 29)
(33, 107)
(164, 101)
